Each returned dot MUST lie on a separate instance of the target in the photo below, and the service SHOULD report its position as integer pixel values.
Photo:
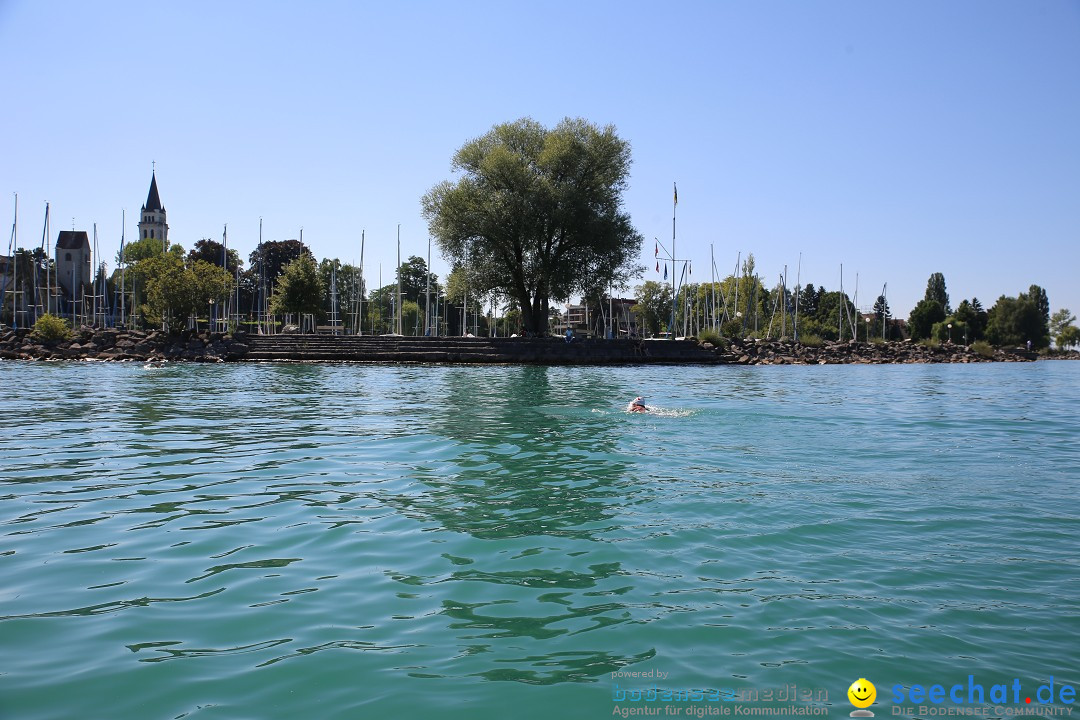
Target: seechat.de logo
(862, 694)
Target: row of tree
(1011, 321)
(283, 278)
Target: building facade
(73, 262)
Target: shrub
(811, 340)
(711, 336)
(930, 343)
(50, 328)
(983, 348)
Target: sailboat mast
(674, 294)
(427, 291)
(798, 288)
(15, 266)
(360, 311)
(93, 282)
(123, 266)
(397, 320)
(45, 247)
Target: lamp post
(867, 329)
(950, 333)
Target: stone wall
(130, 345)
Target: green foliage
(983, 348)
(1059, 321)
(299, 289)
(941, 332)
(1042, 303)
(537, 213)
(808, 300)
(810, 340)
(211, 251)
(935, 291)
(929, 343)
(922, 318)
(414, 280)
(811, 327)
(973, 317)
(1068, 337)
(1015, 321)
(142, 249)
(174, 291)
(711, 336)
(50, 328)
(653, 307)
(270, 258)
(834, 308)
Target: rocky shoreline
(777, 352)
(123, 345)
(136, 346)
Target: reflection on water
(433, 540)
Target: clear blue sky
(899, 139)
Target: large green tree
(299, 289)
(1016, 320)
(177, 290)
(211, 251)
(653, 306)
(537, 214)
(935, 290)
(270, 258)
(923, 317)
(1059, 322)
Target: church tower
(152, 219)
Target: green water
(332, 541)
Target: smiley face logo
(862, 694)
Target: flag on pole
(691, 268)
(657, 253)
(676, 193)
(657, 266)
(665, 272)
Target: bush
(811, 340)
(929, 343)
(50, 328)
(983, 348)
(711, 336)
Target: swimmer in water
(638, 405)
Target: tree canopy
(211, 251)
(537, 213)
(299, 288)
(935, 290)
(272, 257)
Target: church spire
(153, 200)
(152, 224)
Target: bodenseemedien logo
(862, 694)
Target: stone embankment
(120, 345)
(776, 352)
(114, 344)
(527, 351)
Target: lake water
(336, 541)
